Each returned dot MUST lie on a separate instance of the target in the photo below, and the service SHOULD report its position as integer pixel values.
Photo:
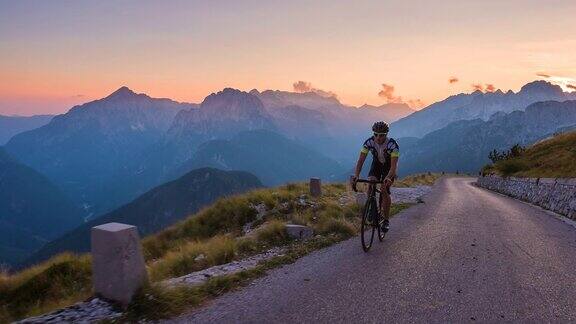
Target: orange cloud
(416, 103)
(453, 80)
(544, 75)
(387, 93)
(571, 86)
(303, 86)
(490, 87)
(476, 87)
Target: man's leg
(385, 203)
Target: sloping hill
(159, 207)
(554, 157)
(32, 210)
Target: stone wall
(558, 195)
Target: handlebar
(369, 181)
(364, 181)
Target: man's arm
(393, 163)
(393, 166)
(359, 164)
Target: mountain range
(464, 145)
(86, 150)
(475, 105)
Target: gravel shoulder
(466, 254)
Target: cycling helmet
(380, 127)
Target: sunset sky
(54, 54)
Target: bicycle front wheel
(366, 227)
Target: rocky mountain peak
(232, 102)
(541, 87)
(122, 93)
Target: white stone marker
(117, 263)
(315, 187)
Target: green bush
(509, 167)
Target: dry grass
(272, 233)
(193, 256)
(58, 282)
(552, 158)
(423, 179)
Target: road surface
(466, 254)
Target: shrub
(509, 167)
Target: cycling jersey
(381, 152)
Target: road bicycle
(371, 218)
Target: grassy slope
(552, 158)
(214, 232)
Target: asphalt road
(466, 254)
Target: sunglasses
(380, 134)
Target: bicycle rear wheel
(367, 228)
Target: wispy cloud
(571, 86)
(544, 75)
(303, 86)
(453, 80)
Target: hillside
(550, 158)
(159, 207)
(32, 210)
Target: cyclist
(385, 152)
